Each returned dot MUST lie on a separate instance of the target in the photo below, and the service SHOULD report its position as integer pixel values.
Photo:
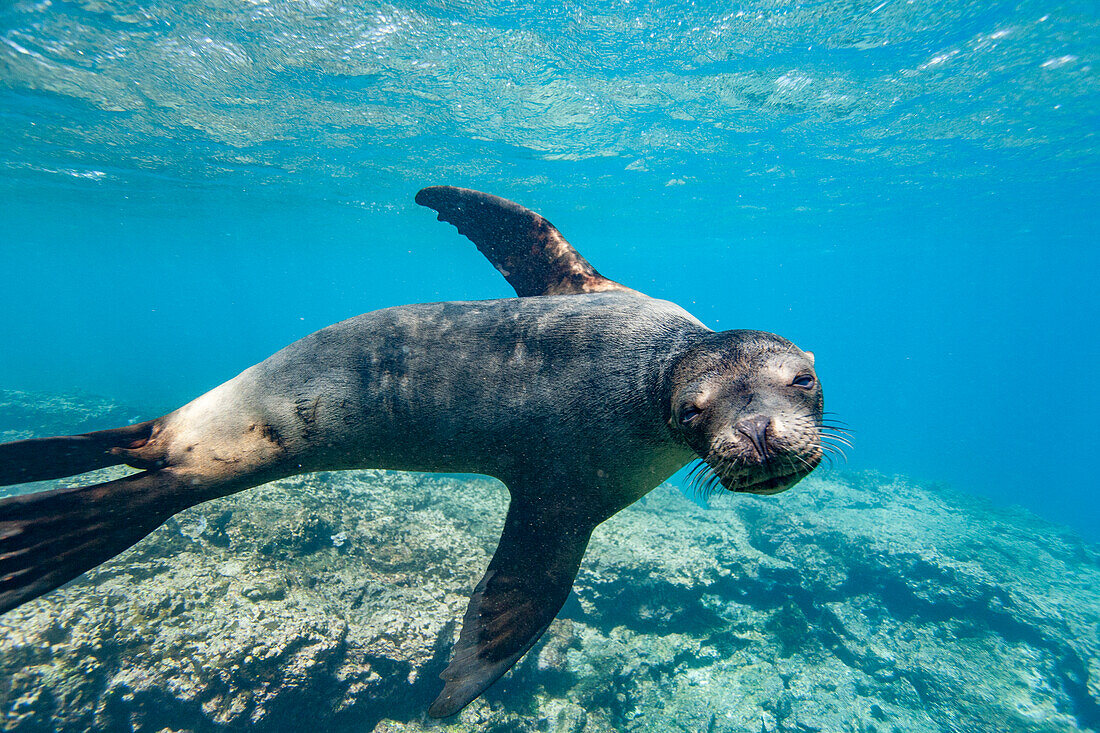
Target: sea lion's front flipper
(528, 250)
(527, 582)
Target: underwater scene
(310, 417)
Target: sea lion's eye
(688, 414)
(803, 380)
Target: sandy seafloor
(854, 602)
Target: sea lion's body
(581, 395)
(527, 390)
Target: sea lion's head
(749, 404)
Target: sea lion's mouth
(755, 483)
(771, 485)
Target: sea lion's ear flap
(527, 583)
(529, 251)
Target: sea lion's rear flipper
(49, 538)
(528, 250)
(40, 459)
(527, 582)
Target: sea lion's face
(749, 404)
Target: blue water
(909, 189)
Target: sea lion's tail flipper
(527, 583)
(40, 459)
(49, 538)
(528, 250)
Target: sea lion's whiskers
(705, 477)
(830, 432)
(697, 470)
(836, 421)
(809, 466)
(697, 466)
(702, 464)
(836, 439)
(702, 483)
(837, 430)
(830, 422)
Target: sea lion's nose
(755, 428)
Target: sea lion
(581, 395)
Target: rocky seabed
(854, 602)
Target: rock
(851, 603)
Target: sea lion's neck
(662, 386)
